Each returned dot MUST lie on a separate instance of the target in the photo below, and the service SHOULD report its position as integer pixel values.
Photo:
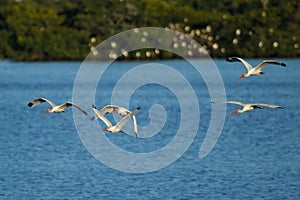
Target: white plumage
(254, 71)
(122, 111)
(55, 108)
(246, 107)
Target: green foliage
(62, 29)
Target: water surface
(256, 156)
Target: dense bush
(62, 29)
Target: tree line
(67, 29)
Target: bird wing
(236, 102)
(39, 101)
(135, 127)
(107, 109)
(230, 102)
(68, 104)
(122, 111)
(269, 105)
(237, 59)
(266, 62)
(101, 116)
(256, 106)
(124, 120)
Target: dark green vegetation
(63, 29)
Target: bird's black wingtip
(138, 108)
(93, 118)
(283, 64)
(229, 59)
(93, 106)
(30, 104)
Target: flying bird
(246, 107)
(55, 108)
(121, 111)
(254, 71)
(118, 127)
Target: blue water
(257, 155)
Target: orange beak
(47, 111)
(233, 113)
(242, 76)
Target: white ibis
(254, 71)
(248, 106)
(121, 111)
(118, 127)
(55, 108)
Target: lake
(256, 155)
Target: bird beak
(233, 113)
(242, 76)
